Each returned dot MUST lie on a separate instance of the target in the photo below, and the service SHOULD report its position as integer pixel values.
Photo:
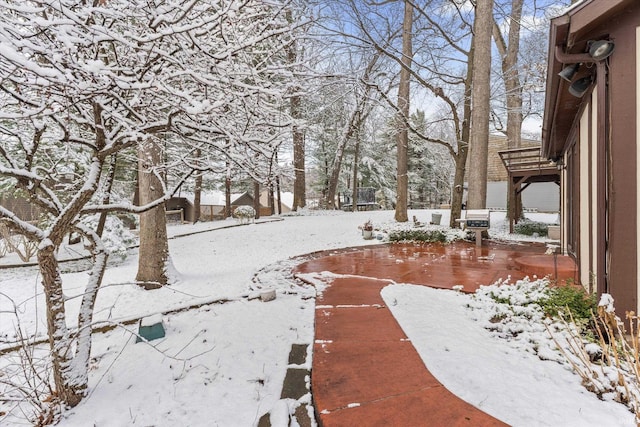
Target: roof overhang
(568, 37)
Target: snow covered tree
(430, 167)
(350, 81)
(81, 83)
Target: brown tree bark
(463, 148)
(279, 194)
(256, 198)
(107, 193)
(480, 94)
(59, 336)
(510, 74)
(227, 192)
(197, 191)
(354, 204)
(299, 183)
(402, 117)
(153, 257)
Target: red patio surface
(365, 371)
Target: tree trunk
(352, 125)
(463, 148)
(279, 194)
(511, 75)
(227, 192)
(272, 200)
(402, 117)
(458, 189)
(480, 101)
(299, 186)
(354, 205)
(153, 259)
(85, 318)
(107, 193)
(70, 388)
(299, 183)
(514, 96)
(197, 191)
(256, 198)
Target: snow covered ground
(223, 364)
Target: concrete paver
(365, 371)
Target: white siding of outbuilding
(541, 196)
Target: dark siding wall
(622, 173)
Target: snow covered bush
(515, 312)
(418, 235)
(244, 214)
(529, 228)
(559, 324)
(116, 237)
(408, 232)
(609, 366)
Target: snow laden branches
(84, 85)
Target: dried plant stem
(618, 354)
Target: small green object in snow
(150, 328)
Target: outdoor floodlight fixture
(598, 51)
(569, 71)
(580, 87)
(601, 49)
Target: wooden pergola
(526, 166)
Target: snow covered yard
(224, 364)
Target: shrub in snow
(418, 235)
(244, 214)
(408, 232)
(608, 366)
(116, 237)
(514, 312)
(529, 228)
(553, 323)
(570, 301)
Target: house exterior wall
(564, 223)
(622, 270)
(611, 127)
(584, 252)
(637, 119)
(594, 213)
